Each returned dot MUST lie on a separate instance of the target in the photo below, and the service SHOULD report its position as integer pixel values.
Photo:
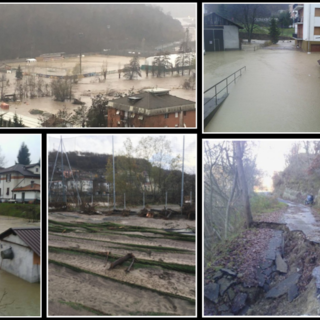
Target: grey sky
(103, 144)
(11, 143)
(178, 10)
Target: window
(32, 184)
(37, 169)
(184, 113)
(166, 115)
(316, 31)
(317, 12)
(176, 115)
(8, 177)
(7, 191)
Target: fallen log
(121, 260)
(128, 269)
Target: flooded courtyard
(22, 298)
(278, 92)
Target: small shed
(20, 253)
(220, 33)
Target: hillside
(28, 30)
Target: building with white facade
(20, 183)
(307, 26)
(81, 185)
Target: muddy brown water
(24, 295)
(278, 92)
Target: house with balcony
(20, 183)
(307, 26)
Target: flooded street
(25, 295)
(278, 92)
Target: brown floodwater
(278, 92)
(24, 295)
(91, 86)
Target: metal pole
(182, 176)
(124, 201)
(166, 200)
(114, 186)
(227, 85)
(63, 189)
(215, 88)
(190, 197)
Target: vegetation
(19, 74)
(61, 89)
(261, 203)
(19, 210)
(24, 155)
(274, 31)
(129, 24)
(132, 70)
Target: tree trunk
(228, 206)
(239, 149)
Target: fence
(226, 87)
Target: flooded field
(278, 92)
(24, 295)
(91, 86)
(161, 281)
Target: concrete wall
(231, 37)
(22, 264)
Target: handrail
(225, 79)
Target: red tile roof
(31, 236)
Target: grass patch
(139, 263)
(261, 203)
(79, 306)
(76, 269)
(20, 210)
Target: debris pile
(189, 210)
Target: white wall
(231, 37)
(22, 263)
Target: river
(278, 92)
(24, 295)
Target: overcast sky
(103, 144)
(11, 143)
(178, 10)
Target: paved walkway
(300, 217)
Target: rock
(239, 302)
(211, 292)
(231, 294)
(260, 278)
(223, 307)
(224, 285)
(283, 287)
(281, 264)
(275, 245)
(266, 264)
(217, 275)
(267, 271)
(293, 292)
(228, 272)
(266, 287)
(316, 274)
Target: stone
(260, 278)
(223, 307)
(267, 271)
(283, 287)
(275, 245)
(239, 302)
(217, 275)
(228, 272)
(224, 285)
(231, 294)
(266, 287)
(211, 292)
(293, 292)
(316, 274)
(266, 264)
(281, 264)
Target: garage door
(208, 40)
(315, 48)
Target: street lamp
(80, 34)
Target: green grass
(261, 203)
(286, 32)
(20, 210)
(76, 269)
(79, 306)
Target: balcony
(297, 36)
(298, 20)
(297, 6)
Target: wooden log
(121, 260)
(128, 269)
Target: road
(300, 217)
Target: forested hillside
(28, 30)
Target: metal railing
(227, 84)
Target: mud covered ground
(161, 281)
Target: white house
(82, 185)
(20, 182)
(307, 26)
(20, 253)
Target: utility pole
(114, 182)
(182, 176)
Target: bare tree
(3, 305)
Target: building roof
(31, 236)
(35, 187)
(231, 22)
(21, 168)
(152, 103)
